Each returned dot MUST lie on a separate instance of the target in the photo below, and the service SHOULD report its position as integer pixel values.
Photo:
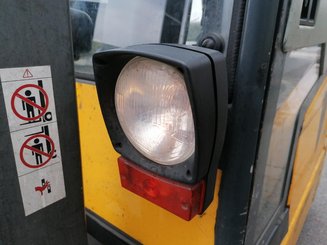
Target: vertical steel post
(41, 199)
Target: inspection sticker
(30, 107)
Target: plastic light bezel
(201, 69)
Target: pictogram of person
(38, 146)
(26, 106)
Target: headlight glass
(154, 110)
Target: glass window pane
(301, 71)
(120, 23)
(195, 22)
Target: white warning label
(36, 147)
(29, 101)
(42, 188)
(30, 106)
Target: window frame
(278, 224)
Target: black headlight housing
(204, 72)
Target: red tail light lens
(183, 200)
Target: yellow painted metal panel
(309, 159)
(300, 213)
(104, 195)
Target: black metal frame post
(37, 33)
(259, 26)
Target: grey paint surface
(92, 241)
(34, 33)
(297, 36)
(315, 228)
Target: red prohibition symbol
(26, 146)
(16, 95)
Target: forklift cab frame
(275, 142)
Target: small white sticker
(30, 106)
(29, 101)
(36, 147)
(42, 188)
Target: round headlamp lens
(154, 110)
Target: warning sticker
(29, 102)
(26, 103)
(36, 147)
(30, 106)
(42, 188)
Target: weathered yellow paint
(309, 159)
(104, 195)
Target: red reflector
(183, 200)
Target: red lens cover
(183, 200)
